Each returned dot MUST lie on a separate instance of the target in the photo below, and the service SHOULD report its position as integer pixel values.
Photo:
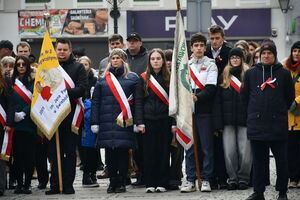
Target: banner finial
(178, 5)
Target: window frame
(247, 2)
(159, 3)
(44, 1)
(89, 1)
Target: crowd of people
(246, 103)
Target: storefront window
(89, 0)
(37, 1)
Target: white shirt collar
(215, 53)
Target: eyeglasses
(235, 58)
(20, 65)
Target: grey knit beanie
(118, 52)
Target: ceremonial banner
(180, 95)
(50, 101)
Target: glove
(294, 109)
(19, 116)
(92, 91)
(95, 128)
(135, 129)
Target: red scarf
(291, 66)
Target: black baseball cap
(135, 36)
(6, 44)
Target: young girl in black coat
(153, 121)
(231, 116)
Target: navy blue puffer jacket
(105, 110)
(268, 108)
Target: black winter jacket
(222, 59)
(7, 103)
(91, 83)
(229, 108)
(205, 102)
(105, 110)
(150, 107)
(267, 113)
(79, 76)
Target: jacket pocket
(253, 116)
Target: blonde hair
(23, 44)
(88, 60)
(8, 60)
(126, 69)
(3, 85)
(85, 58)
(227, 75)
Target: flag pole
(47, 19)
(195, 146)
(58, 161)
(178, 5)
(196, 153)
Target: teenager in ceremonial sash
(230, 116)
(152, 107)
(24, 138)
(112, 117)
(204, 73)
(7, 112)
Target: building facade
(153, 19)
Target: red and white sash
(269, 82)
(235, 83)
(157, 89)
(20, 88)
(79, 110)
(195, 75)
(120, 96)
(130, 101)
(7, 139)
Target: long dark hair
(165, 71)
(3, 84)
(27, 76)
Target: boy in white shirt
(204, 74)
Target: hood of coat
(266, 69)
(141, 53)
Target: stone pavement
(139, 193)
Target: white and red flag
(181, 104)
